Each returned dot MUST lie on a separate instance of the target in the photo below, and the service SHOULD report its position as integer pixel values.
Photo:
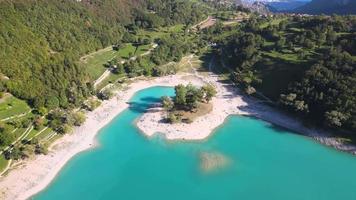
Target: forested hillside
(42, 40)
(44, 80)
(307, 64)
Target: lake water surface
(267, 163)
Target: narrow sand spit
(34, 175)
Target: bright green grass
(3, 163)
(94, 63)
(132, 50)
(33, 133)
(126, 51)
(16, 133)
(273, 22)
(142, 49)
(293, 57)
(146, 63)
(19, 132)
(225, 35)
(112, 78)
(12, 106)
(160, 32)
(44, 134)
(277, 70)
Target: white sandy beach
(226, 102)
(229, 101)
(34, 175)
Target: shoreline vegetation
(20, 184)
(49, 75)
(297, 63)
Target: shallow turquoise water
(267, 163)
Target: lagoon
(266, 162)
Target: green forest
(41, 78)
(306, 65)
(54, 51)
(42, 40)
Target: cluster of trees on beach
(312, 59)
(186, 98)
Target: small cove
(266, 162)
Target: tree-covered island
(188, 103)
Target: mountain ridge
(343, 7)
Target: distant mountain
(286, 5)
(276, 5)
(329, 7)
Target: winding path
(16, 116)
(108, 71)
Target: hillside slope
(41, 41)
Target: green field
(160, 32)
(276, 74)
(12, 106)
(94, 63)
(3, 163)
(112, 78)
(272, 22)
(278, 68)
(44, 134)
(124, 53)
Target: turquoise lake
(267, 163)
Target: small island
(197, 108)
(188, 103)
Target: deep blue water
(267, 162)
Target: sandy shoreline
(34, 175)
(229, 101)
(224, 104)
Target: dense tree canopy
(307, 64)
(42, 40)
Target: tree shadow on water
(150, 99)
(143, 104)
(139, 107)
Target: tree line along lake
(265, 162)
